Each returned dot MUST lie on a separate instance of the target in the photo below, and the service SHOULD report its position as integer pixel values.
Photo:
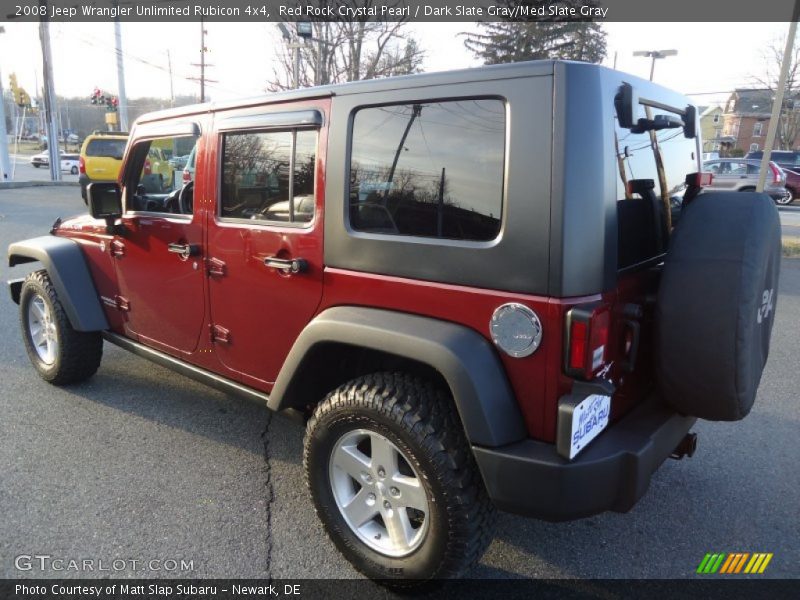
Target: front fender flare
(66, 265)
(466, 360)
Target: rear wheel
(59, 353)
(394, 481)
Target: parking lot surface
(141, 464)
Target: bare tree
(349, 51)
(789, 123)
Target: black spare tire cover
(716, 304)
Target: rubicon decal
(734, 563)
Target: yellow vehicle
(101, 158)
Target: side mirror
(627, 105)
(105, 202)
(690, 122)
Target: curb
(791, 247)
(13, 185)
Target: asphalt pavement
(141, 464)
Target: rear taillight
(147, 167)
(777, 174)
(81, 165)
(187, 176)
(587, 340)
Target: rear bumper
(531, 479)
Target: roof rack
(99, 132)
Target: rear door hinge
(122, 304)
(117, 248)
(220, 334)
(215, 267)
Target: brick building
(745, 120)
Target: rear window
(636, 161)
(106, 148)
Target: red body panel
(175, 303)
(264, 309)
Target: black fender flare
(66, 265)
(466, 360)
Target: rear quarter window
(429, 169)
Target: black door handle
(287, 265)
(184, 250)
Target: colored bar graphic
(740, 564)
(703, 563)
(715, 566)
(733, 563)
(765, 563)
(732, 558)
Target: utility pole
(5, 164)
(123, 98)
(202, 64)
(171, 86)
(49, 101)
(777, 105)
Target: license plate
(589, 418)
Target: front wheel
(59, 353)
(785, 199)
(394, 481)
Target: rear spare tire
(716, 304)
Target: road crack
(269, 495)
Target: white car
(69, 162)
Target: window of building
(757, 129)
(717, 117)
(269, 176)
(429, 169)
(753, 147)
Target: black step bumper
(531, 479)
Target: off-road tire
(421, 422)
(79, 353)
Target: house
(745, 120)
(710, 126)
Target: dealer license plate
(589, 418)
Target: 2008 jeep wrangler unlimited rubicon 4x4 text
(468, 284)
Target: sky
(712, 57)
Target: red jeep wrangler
(466, 284)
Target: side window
(712, 168)
(269, 176)
(738, 168)
(158, 186)
(429, 169)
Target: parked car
(101, 158)
(465, 315)
(188, 169)
(741, 175)
(40, 160)
(785, 159)
(69, 162)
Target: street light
(654, 54)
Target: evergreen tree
(514, 41)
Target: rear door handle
(287, 265)
(184, 250)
